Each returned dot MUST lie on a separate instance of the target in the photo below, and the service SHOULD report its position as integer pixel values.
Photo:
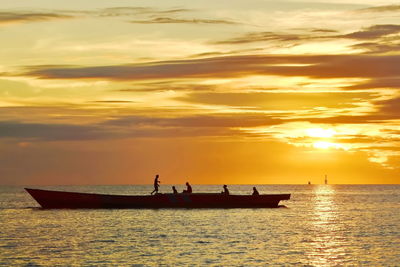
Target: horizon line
(150, 184)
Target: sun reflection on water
(327, 232)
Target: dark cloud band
(325, 66)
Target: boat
(49, 199)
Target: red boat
(49, 199)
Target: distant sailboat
(326, 179)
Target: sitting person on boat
(156, 185)
(226, 191)
(188, 188)
(174, 190)
(255, 192)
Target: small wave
(202, 242)
(147, 255)
(233, 252)
(32, 264)
(103, 241)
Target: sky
(210, 92)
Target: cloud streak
(279, 101)
(169, 20)
(267, 37)
(324, 66)
(49, 132)
(136, 127)
(378, 47)
(131, 10)
(368, 33)
(374, 32)
(380, 9)
(26, 17)
(198, 121)
(148, 14)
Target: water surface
(322, 225)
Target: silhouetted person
(188, 188)
(255, 192)
(174, 190)
(226, 191)
(156, 185)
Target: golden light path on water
(328, 239)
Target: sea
(321, 225)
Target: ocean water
(322, 225)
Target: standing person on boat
(226, 191)
(255, 192)
(188, 188)
(174, 190)
(156, 185)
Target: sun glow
(319, 132)
(324, 136)
(326, 145)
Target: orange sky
(275, 92)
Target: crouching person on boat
(156, 185)
(255, 192)
(226, 191)
(188, 188)
(174, 190)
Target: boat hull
(50, 199)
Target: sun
(322, 138)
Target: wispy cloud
(374, 32)
(147, 13)
(323, 30)
(127, 11)
(295, 38)
(378, 47)
(134, 10)
(25, 17)
(270, 36)
(280, 101)
(169, 20)
(376, 9)
(377, 39)
(166, 86)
